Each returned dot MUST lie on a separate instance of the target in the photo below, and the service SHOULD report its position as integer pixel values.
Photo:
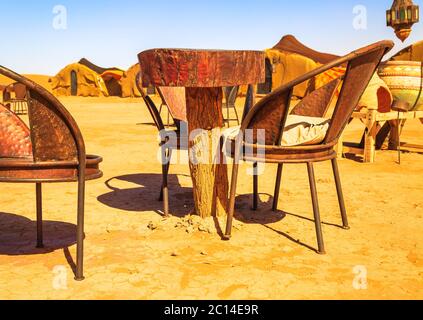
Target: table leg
(208, 168)
(369, 145)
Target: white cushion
(299, 130)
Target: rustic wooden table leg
(208, 170)
(369, 145)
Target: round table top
(201, 68)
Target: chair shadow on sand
(144, 196)
(18, 237)
(266, 216)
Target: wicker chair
(19, 103)
(53, 150)
(231, 93)
(271, 113)
(174, 98)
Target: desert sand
(133, 253)
(42, 80)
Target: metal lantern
(402, 15)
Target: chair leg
(399, 137)
(39, 200)
(255, 186)
(168, 118)
(80, 232)
(167, 155)
(340, 194)
(236, 115)
(232, 196)
(313, 189)
(277, 187)
(228, 120)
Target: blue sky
(112, 33)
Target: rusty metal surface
(15, 141)
(12, 170)
(51, 150)
(51, 138)
(201, 68)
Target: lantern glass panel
(402, 15)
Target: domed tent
(129, 87)
(289, 59)
(411, 53)
(87, 80)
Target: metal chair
(271, 113)
(19, 103)
(231, 94)
(53, 150)
(175, 100)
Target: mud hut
(288, 59)
(128, 82)
(88, 80)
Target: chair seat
(26, 170)
(278, 154)
(299, 131)
(301, 142)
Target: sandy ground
(42, 80)
(133, 253)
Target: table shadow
(144, 196)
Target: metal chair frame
(270, 114)
(231, 94)
(19, 104)
(166, 150)
(58, 155)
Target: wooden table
(374, 120)
(203, 73)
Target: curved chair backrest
(317, 103)
(174, 99)
(15, 138)
(55, 135)
(6, 94)
(270, 114)
(231, 93)
(154, 112)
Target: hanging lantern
(401, 17)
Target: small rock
(189, 229)
(204, 253)
(203, 228)
(152, 226)
(175, 254)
